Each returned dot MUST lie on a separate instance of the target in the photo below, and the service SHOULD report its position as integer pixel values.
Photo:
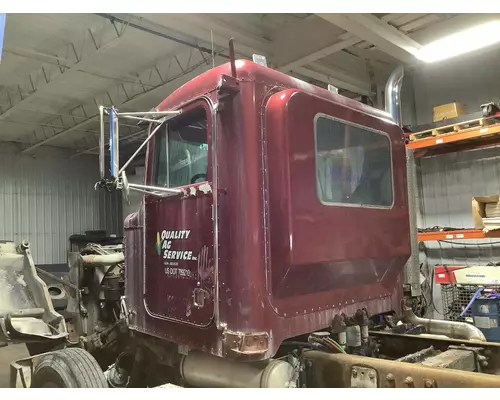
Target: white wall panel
(48, 197)
(472, 79)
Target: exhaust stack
(393, 95)
(393, 107)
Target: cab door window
(182, 151)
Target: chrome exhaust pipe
(393, 95)
(393, 107)
(452, 329)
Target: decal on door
(166, 248)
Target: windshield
(182, 151)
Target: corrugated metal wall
(447, 185)
(48, 197)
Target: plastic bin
(486, 316)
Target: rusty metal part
(398, 345)
(479, 358)
(246, 343)
(413, 343)
(409, 381)
(452, 329)
(456, 357)
(362, 377)
(418, 356)
(462, 359)
(430, 383)
(335, 370)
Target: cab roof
(247, 70)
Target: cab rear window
(353, 164)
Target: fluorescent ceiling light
(459, 43)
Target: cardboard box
(478, 209)
(448, 111)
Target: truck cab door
(178, 270)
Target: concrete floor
(8, 354)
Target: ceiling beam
(317, 55)
(450, 26)
(372, 29)
(167, 73)
(171, 79)
(178, 25)
(335, 78)
(327, 75)
(208, 22)
(317, 48)
(36, 83)
(305, 41)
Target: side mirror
(118, 179)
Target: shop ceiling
(56, 69)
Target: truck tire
(68, 368)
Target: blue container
(486, 315)
(485, 306)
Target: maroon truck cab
(294, 210)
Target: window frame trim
(353, 124)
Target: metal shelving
(460, 136)
(460, 234)
(466, 135)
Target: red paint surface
(171, 281)
(445, 274)
(287, 263)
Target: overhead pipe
(452, 329)
(202, 49)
